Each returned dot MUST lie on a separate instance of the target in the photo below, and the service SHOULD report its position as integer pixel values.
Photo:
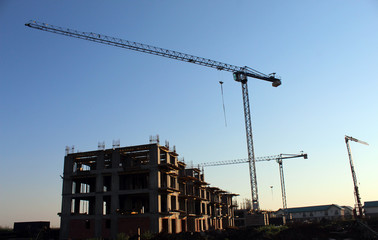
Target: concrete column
(98, 204)
(65, 217)
(67, 176)
(66, 197)
(169, 202)
(99, 177)
(114, 194)
(68, 165)
(168, 156)
(77, 206)
(77, 187)
(153, 190)
(168, 180)
(100, 161)
(115, 159)
(154, 183)
(98, 215)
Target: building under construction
(146, 188)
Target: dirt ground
(341, 230)
(351, 230)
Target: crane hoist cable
(224, 108)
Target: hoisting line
(224, 109)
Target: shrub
(122, 236)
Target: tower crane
(356, 191)
(240, 75)
(277, 158)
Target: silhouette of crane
(240, 75)
(277, 158)
(356, 191)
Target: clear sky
(57, 91)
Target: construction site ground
(341, 230)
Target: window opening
(107, 182)
(173, 203)
(106, 205)
(163, 205)
(84, 207)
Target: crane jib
(95, 37)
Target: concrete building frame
(120, 190)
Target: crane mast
(240, 75)
(355, 183)
(283, 189)
(277, 158)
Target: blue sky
(58, 91)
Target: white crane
(356, 191)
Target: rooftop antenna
(67, 150)
(154, 139)
(101, 145)
(116, 144)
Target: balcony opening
(107, 183)
(134, 181)
(85, 164)
(106, 205)
(83, 205)
(163, 157)
(134, 204)
(173, 182)
(84, 185)
(173, 203)
(182, 205)
(163, 180)
(134, 158)
(163, 203)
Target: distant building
(120, 190)
(348, 212)
(245, 218)
(317, 213)
(31, 229)
(371, 208)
